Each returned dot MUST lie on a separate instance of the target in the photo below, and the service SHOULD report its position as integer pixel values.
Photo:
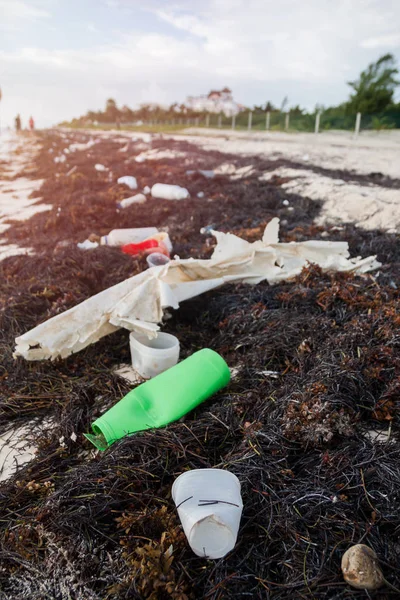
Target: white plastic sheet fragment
(138, 303)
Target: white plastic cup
(210, 507)
(169, 192)
(156, 259)
(152, 356)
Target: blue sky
(59, 58)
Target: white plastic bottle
(136, 199)
(169, 192)
(120, 237)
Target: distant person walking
(17, 123)
(31, 124)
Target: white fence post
(267, 120)
(249, 120)
(219, 121)
(358, 123)
(208, 120)
(317, 118)
(233, 121)
(286, 121)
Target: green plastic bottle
(163, 399)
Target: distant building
(217, 101)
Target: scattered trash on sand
(138, 303)
(163, 399)
(129, 181)
(157, 259)
(169, 192)
(209, 505)
(136, 199)
(99, 167)
(200, 194)
(146, 190)
(60, 159)
(206, 174)
(120, 237)
(152, 356)
(87, 245)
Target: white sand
(370, 152)
(369, 207)
(18, 153)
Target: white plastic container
(129, 181)
(120, 237)
(210, 508)
(136, 199)
(163, 238)
(156, 259)
(152, 356)
(169, 192)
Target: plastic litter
(207, 230)
(145, 246)
(200, 194)
(74, 168)
(205, 173)
(138, 303)
(87, 245)
(136, 199)
(60, 159)
(100, 167)
(146, 190)
(119, 237)
(286, 203)
(169, 192)
(164, 399)
(210, 507)
(152, 356)
(156, 259)
(129, 181)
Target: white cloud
(261, 48)
(19, 10)
(390, 40)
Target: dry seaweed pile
(316, 368)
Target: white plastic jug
(169, 192)
(120, 237)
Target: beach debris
(71, 171)
(209, 505)
(81, 146)
(120, 237)
(360, 568)
(138, 303)
(157, 259)
(200, 194)
(60, 159)
(152, 356)
(99, 167)
(136, 199)
(159, 243)
(146, 189)
(164, 399)
(87, 245)
(205, 173)
(129, 181)
(286, 203)
(169, 192)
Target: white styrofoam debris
(138, 303)
(129, 181)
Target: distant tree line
(372, 95)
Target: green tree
(375, 87)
